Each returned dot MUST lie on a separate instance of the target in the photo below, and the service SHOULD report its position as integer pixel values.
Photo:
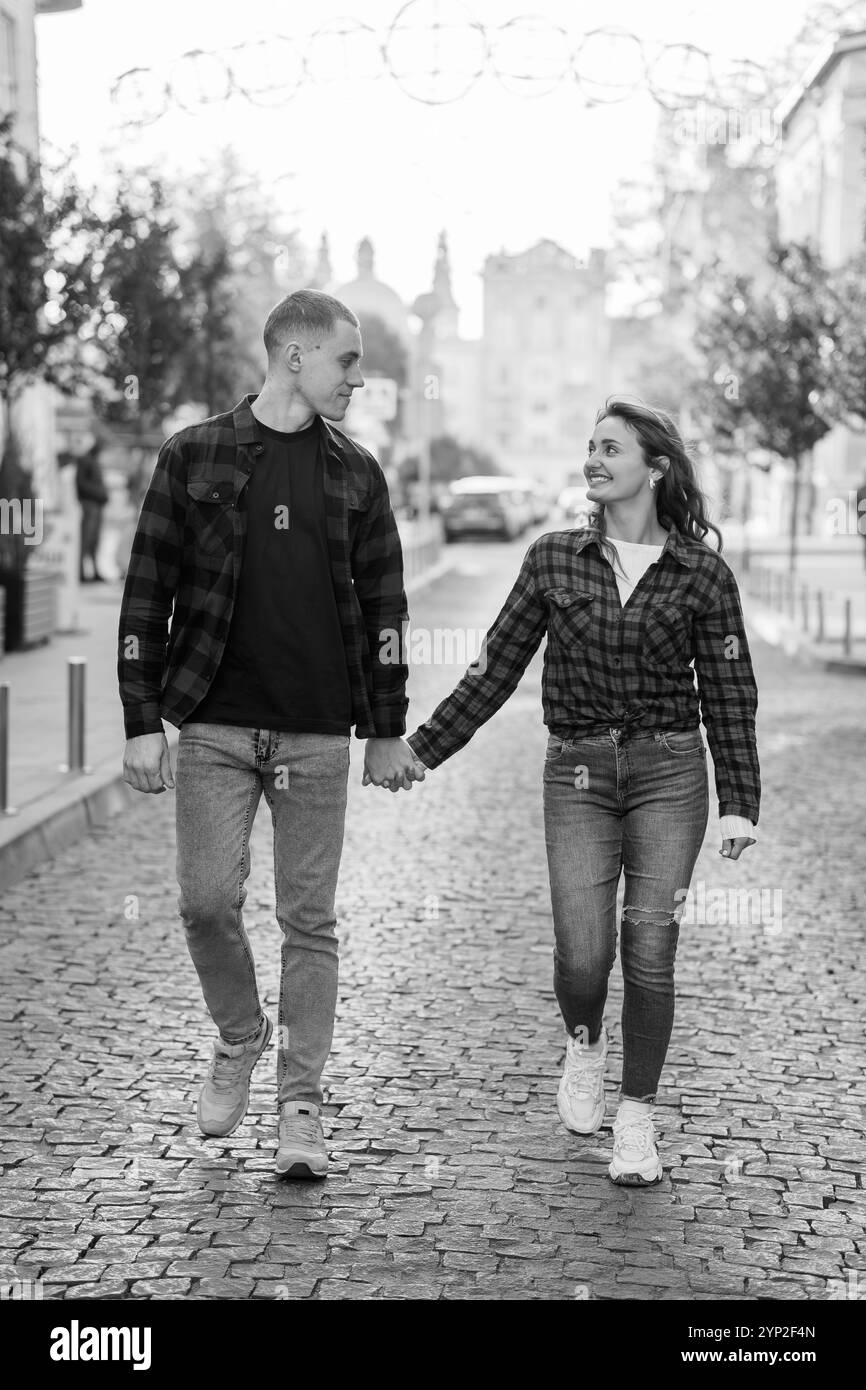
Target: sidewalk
(54, 808)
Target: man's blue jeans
(638, 803)
(222, 771)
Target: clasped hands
(390, 762)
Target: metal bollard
(846, 634)
(819, 609)
(77, 666)
(5, 808)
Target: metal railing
(821, 613)
(75, 759)
(422, 546)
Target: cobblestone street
(452, 1176)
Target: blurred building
(371, 417)
(528, 390)
(447, 377)
(821, 189)
(368, 296)
(545, 358)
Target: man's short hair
(304, 314)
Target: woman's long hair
(679, 500)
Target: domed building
(367, 296)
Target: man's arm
(377, 569)
(148, 594)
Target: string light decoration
(436, 51)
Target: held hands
(732, 849)
(390, 762)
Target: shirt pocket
(569, 616)
(210, 515)
(665, 635)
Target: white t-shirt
(635, 559)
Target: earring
(652, 482)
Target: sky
(355, 155)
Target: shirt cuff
(411, 742)
(733, 827)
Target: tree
(142, 321)
(774, 347)
(384, 353)
(848, 367)
(207, 366)
(449, 459)
(46, 292)
(236, 262)
(46, 295)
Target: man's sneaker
(225, 1094)
(301, 1152)
(636, 1161)
(580, 1099)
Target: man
(271, 534)
(93, 496)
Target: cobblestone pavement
(452, 1176)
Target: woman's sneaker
(225, 1094)
(301, 1152)
(636, 1161)
(580, 1098)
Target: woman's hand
(732, 849)
(390, 762)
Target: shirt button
(259, 449)
(617, 661)
(214, 494)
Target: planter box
(31, 607)
(40, 605)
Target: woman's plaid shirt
(187, 555)
(608, 666)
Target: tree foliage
(46, 272)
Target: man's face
(329, 371)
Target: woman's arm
(506, 652)
(729, 699)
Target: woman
(627, 604)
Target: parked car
(493, 504)
(573, 507)
(537, 498)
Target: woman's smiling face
(615, 468)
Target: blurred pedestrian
(93, 496)
(627, 603)
(861, 515)
(137, 482)
(270, 535)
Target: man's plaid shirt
(188, 552)
(606, 666)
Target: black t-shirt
(284, 665)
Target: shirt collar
(676, 544)
(247, 431)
